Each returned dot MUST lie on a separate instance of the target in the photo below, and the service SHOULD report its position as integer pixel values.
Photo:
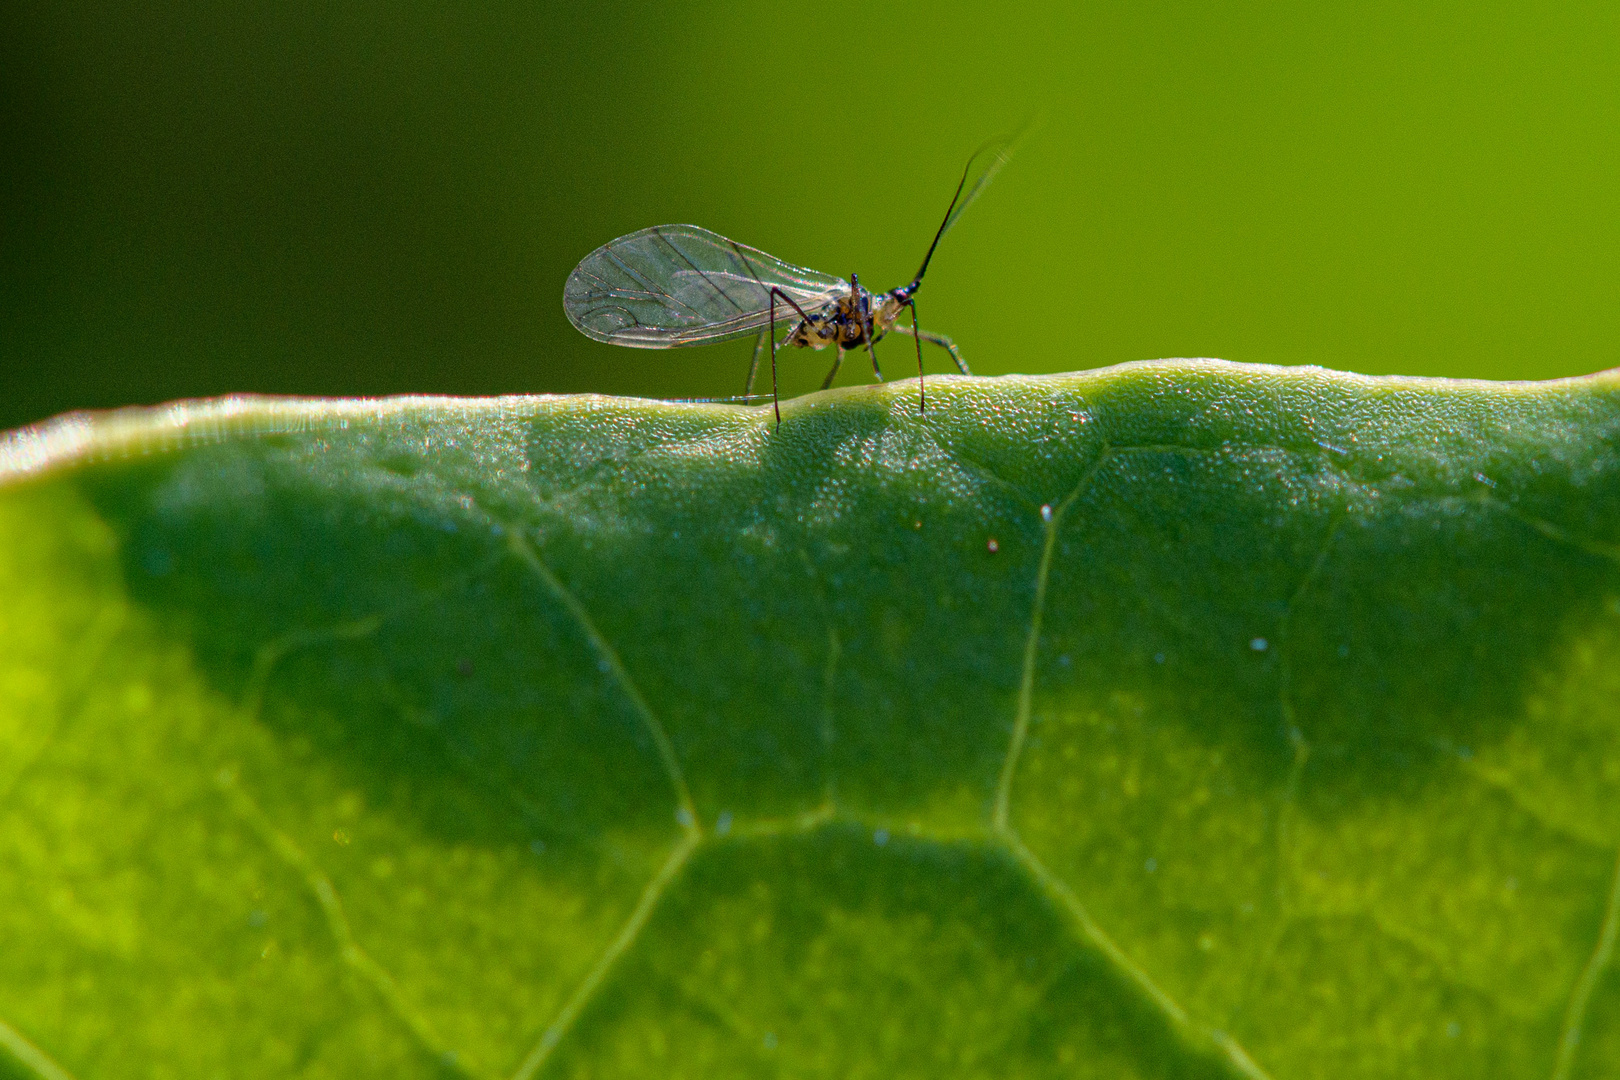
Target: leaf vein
(1099, 939)
(337, 921)
(1052, 520)
(1288, 804)
(622, 941)
(1501, 780)
(1581, 996)
(829, 676)
(1553, 532)
(30, 1056)
(608, 655)
(1001, 826)
(90, 649)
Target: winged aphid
(671, 286)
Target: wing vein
(676, 285)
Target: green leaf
(1175, 720)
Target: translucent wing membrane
(674, 285)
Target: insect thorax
(843, 322)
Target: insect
(676, 285)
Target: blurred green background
(371, 198)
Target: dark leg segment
(922, 394)
(937, 339)
(871, 347)
(838, 362)
(776, 400)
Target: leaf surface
(1181, 719)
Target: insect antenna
(923, 269)
(1002, 150)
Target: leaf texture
(1183, 719)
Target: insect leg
(938, 339)
(922, 394)
(838, 362)
(776, 400)
(871, 347)
(753, 366)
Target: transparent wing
(674, 285)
